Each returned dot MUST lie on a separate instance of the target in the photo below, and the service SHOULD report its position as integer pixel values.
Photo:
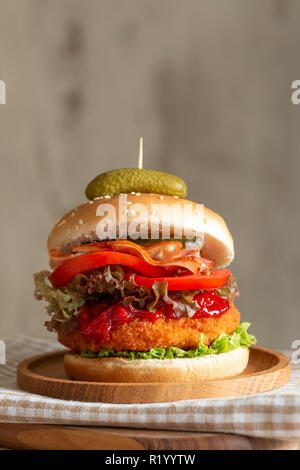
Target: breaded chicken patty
(142, 335)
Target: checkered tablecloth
(273, 414)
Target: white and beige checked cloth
(273, 414)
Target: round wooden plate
(45, 375)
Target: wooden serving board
(52, 437)
(45, 375)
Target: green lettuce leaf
(230, 290)
(63, 304)
(224, 343)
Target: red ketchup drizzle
(96, 322)
(211, 305)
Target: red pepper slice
(213, 280)
(79, 264)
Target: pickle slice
(129, 180)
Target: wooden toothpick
(140, 160)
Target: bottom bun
(116, 369)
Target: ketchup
(96, 321)
(211, 305)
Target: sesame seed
(81, 221)
(161, 197)
(107, 196)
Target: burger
(135, 303)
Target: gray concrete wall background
(207, 84)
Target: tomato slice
(79, 264)
(213, 280)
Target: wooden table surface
(53, 437)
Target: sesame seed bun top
(81, 225)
